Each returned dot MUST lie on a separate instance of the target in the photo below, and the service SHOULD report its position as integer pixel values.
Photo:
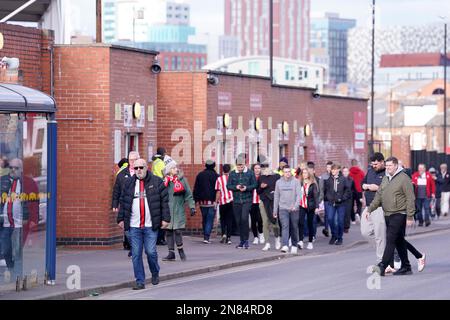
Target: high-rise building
(249, 21)
(329, 44)
(395, 40)
(109, 20)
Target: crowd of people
(282, 208)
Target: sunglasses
(15, 168)
(142, 168)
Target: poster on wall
(141, 120)
(255, 102)
(219, 125)
(359, 129)
(127, 116)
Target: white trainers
(284, 249)
(389, 270)
(262, 240)
(2, 263)
(294, 250)
(310, 246)
(353, 222)
(290, 243)
(421, 263)
(357, 218)
(266, 247)
(255, 240)
(277, 243)
(300, 244)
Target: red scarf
(177, 185)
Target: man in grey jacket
(286, 204)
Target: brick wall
(31, 46)
(131, 81)
(184, 98)
(89, 81)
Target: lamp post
(372, 93)
(445, 84)
(445, 88)
(271, 39)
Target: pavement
(105, 271)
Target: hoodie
(287, 194)
(357, 175)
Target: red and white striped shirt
(226, 196)
(304, 198)
(255, 194)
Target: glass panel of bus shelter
(23, 152)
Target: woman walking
(255, 214)
(179, 194)
(309, 206)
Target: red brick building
(96, 87)
(188, 105)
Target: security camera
(213, 80)
(9, 63)
(155, 68)
(315, 95)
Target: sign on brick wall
(359, 128)
(224, 100)
(127, 116)
(255, 102)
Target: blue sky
(207, 15)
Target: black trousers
(395, 239)
(226, 218)
(174, 236)
(257, 223)
(241, 213)
(310, 215)
(357, 196)
(348, 213)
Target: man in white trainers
(266, 190)
(286, 204)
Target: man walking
(396, 196)
(242, 182)
(286, 205)
(224, 198)
(324, 177)
(374, 227)
(143, 210)
(443, 178)
(425, 190)
(124, 174)
(336, 192)
(205, 196)
(357, 175)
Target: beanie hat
(172, 164)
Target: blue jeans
(12, 249)
(144, 238)
(337, 227)
(325, 217)
(208, 214)
(423, 203)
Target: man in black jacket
(124, 174)
(266, 190)
(336, 192)
(144, 208)
(205, 196)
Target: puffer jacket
(157, 199)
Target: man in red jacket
(358, 176)
(425, 190)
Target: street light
(372, 93)
(445, 84)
